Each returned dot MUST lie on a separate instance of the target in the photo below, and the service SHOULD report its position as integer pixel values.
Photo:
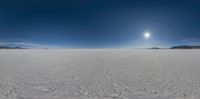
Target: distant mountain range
(185, 47)
(179, 47)
(8, 47)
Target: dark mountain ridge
(8, 47)
(185, 47)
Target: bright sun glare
(147, 35)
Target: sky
(99, 23)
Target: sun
(147, 35)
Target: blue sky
(100, 23)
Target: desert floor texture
(99, 74)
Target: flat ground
(99, 74)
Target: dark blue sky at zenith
(99, 23)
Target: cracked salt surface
(99, 74)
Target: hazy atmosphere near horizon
(99, 23)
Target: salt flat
(99, 74)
